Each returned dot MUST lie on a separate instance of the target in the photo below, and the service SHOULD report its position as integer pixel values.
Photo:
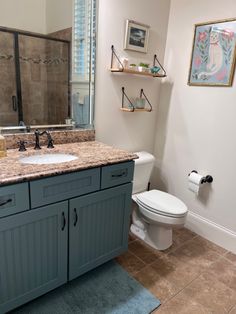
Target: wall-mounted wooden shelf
(121, 68)
(130, 71)
(133, 110)
(131, 107)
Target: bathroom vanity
(60, 221)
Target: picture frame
(136, 36)
(213, 54)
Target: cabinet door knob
(63, 221)
(76, 217)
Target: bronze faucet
(49, 137)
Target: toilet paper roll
(193, 187)
(194, 182)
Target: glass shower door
(44, 69)
(8, 92)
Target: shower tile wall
(64, 34)
(44, 80)
(8, 82)
(57, 79)
(33, 79)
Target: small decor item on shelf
(68, 120)
(136, 36)
(139, 103)
(143, 67)
(155, 69)
(132, 66)
(124, 62)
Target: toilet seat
(161, 203)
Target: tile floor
(193, 276)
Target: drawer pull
(5, 202)
(76, 217)
(123, 174)
(63, 221)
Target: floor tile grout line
(137, 258)
(174, 295)
(209, 248)
(232, 308)
(149, 247)
(187, 241)
(231, 262)
(197, 276)
(178, 247)
(157, 257)
(171, 251)
(201, 273)
(220, 256)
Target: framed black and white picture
(136, 36)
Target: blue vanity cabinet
(98, 231)
(62, 187)
(14, 199)
(54, 229)
(117, 174)
(33, 254)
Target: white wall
(132, 131)
(196, 128)
(58, 15)
(25, 15)
(41, 16)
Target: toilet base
(138, 232)
(158, 237)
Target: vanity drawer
(14, 199)
(117, 174)
(62, 187)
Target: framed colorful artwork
(213, 54)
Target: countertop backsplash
(59, 137)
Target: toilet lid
(162, 203)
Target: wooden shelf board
(131, 110)
(129, 71)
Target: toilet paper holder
(206, 179)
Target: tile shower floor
(193, 276)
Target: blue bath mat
(108, 289)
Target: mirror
(83, 61)
(47, 62)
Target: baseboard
(212, 231)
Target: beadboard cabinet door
(33, 254)
(99, 224)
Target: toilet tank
(142, 171)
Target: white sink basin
(46, 159)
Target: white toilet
(157, 212)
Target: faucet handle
(50, 140)
(37, 134)
(22, 146)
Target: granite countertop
(90, 154)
